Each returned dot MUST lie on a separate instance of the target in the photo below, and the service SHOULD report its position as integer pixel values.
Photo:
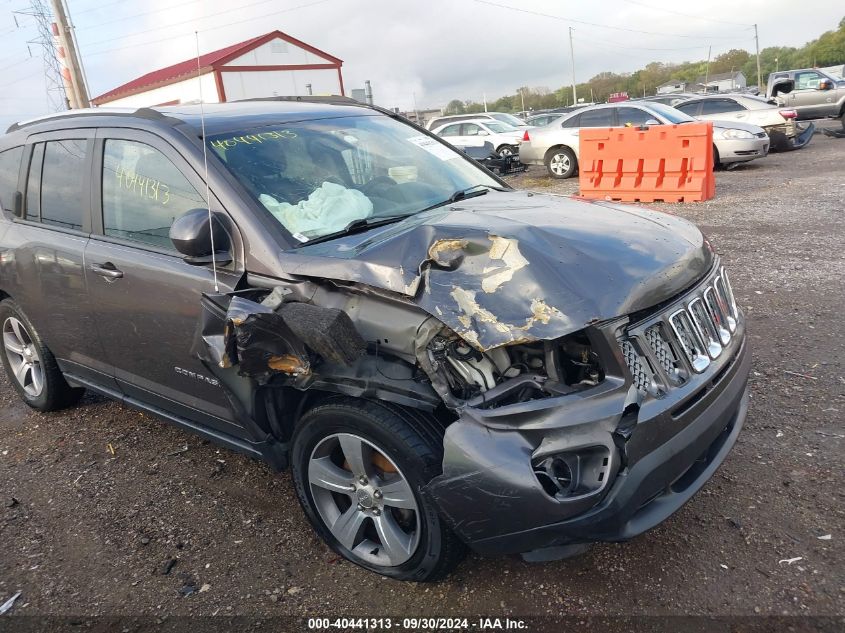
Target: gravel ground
(168, 524)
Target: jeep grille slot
(664, 353)
(637, 367)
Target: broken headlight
(512, 373)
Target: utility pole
(522, 96)
(56, 93)
(759, 74)
(69, 58)
(572, 54)
(707, 70)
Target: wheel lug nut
(377, 494)
(376, 511)
(360, 508)
(362, 480)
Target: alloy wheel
(560, 164)
(505, 151)
(24, 359)
(364, 499)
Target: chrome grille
(637, 367)
(688, 338)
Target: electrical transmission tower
(46, 40)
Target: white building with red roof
(274, 64)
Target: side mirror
(652, 122)
(482, 133)
(825, 84)
(191, 235)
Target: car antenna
(205, 161)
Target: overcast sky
(433, 50)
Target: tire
(507, 150)
(716, 160)
(344, 439)
(30, 365)
(561, 163)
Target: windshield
(500, 128)
(669, 113)
(507, 118)
(318, 177)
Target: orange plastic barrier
(672, 163)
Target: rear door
(46, 275)
(147, 296)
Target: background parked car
(778, 122)
(504, 117)
(556, 145)
(504, 138)
(815, 94)
(539, 120)
(671, 99)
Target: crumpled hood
(511, 267)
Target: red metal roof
(207, 63)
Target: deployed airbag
(328, 209)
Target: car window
(451, 130)
(633, 117)
(602, 117)
(33, 184)
(507, 118)
(10, 167)
(499, 127)
(718, 106)
(690, 107)
(574, 121)
(143, 193)
(62, 183)
(316, 177)
(470, 129)
(807, 80)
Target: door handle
(106, 270)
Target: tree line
(826, 50)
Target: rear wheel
(716, 160)
(358, 468)
(561, 162)
(506, 150)
(30, 365)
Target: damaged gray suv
(441, 361)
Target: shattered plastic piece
(723, 566)
(789, 561)
(9, 603)
(826, 537)
(327, 331)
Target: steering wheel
(376, 184)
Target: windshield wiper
(356, 226)
(462, 194)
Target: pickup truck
(812, 93)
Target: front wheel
(561, 162)
(358, 467)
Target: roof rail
(306, 99)
(145, 113)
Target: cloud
(430, 52)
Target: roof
(219, 117)
(674, 82)
(719, 77)
(207, 63)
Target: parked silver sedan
(556, 145)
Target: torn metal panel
(518, 267)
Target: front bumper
(492, 500)
(742, 150)
(790, 136)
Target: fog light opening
(574, 474)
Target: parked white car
(504, 117)
(556, 145)
(779, 122)
(504, 138)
